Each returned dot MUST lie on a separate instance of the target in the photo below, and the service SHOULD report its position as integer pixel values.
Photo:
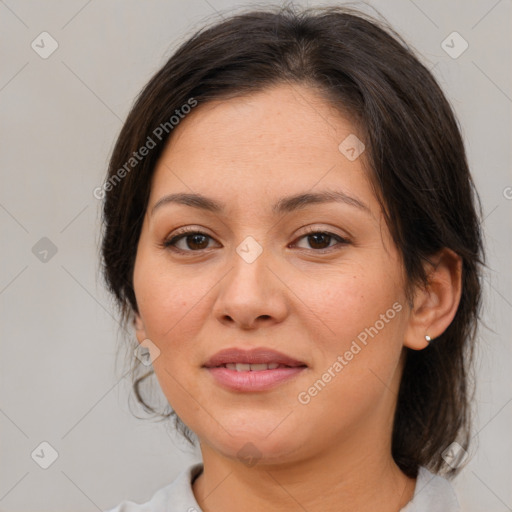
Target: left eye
(197, 241)
(320, 238)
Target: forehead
(286, 138)
(288, 116)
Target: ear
(140, 330)
(435, 305)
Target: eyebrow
(283, 205)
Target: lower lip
(253, 381)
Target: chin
(257, 446)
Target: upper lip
(251, 356)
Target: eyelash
(169, 244)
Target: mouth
(258, 369)
(251, 359)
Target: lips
(258, 359)
(255, 370)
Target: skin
(333, 453)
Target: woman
(291, 226)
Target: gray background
(60, 116)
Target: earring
(428, 338)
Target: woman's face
(318, 281)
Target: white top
(432, 494)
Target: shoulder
(177, 496)
(433, 493)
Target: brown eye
(320, 240)
(192, 241)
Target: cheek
(350, 300)
(358, 336)
(168, 301)
(170, 307)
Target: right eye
(194, 240)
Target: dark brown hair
(416, 163)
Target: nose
(252, 294)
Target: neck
(345, 479)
